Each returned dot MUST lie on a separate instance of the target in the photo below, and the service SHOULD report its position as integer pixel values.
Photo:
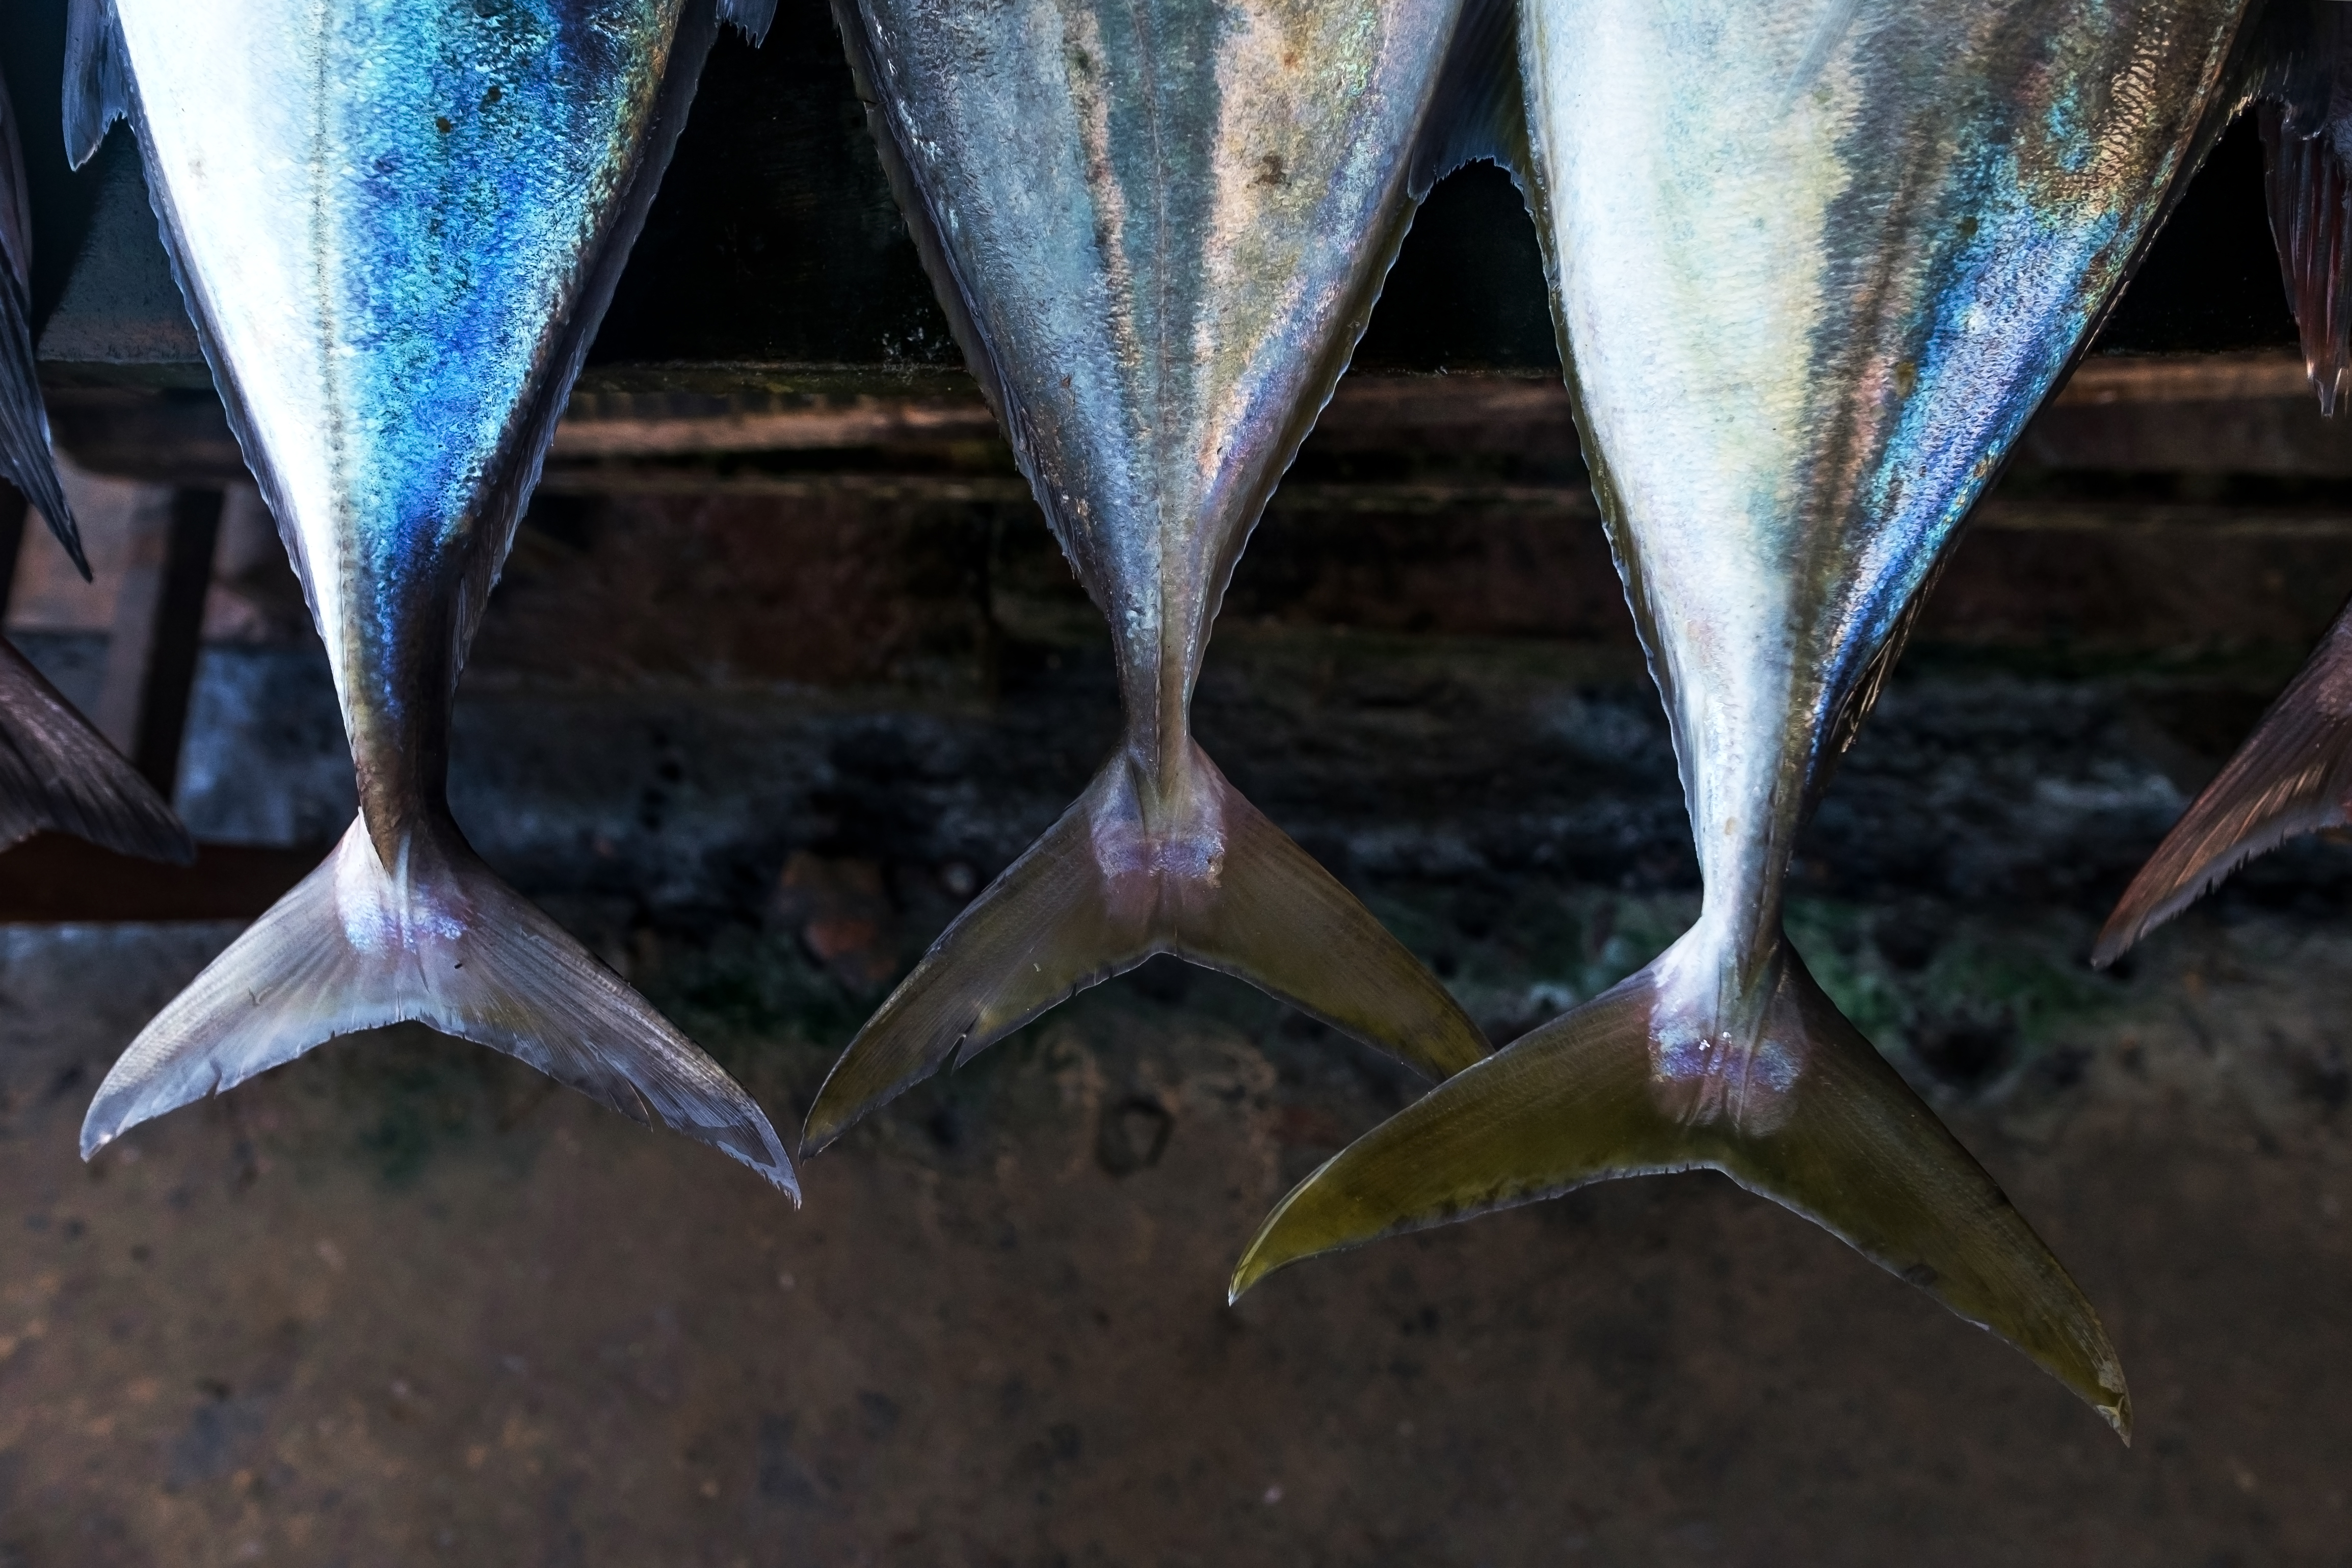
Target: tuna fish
(55, 771)
(2294, 774)
(1157, 229)
(1814, 267)
(397, 224)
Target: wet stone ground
(402, 1303)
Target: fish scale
(1815, 267)
(1157, 229)
(397, 224)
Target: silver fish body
(1815, 267)
(385, 215)
(1806, 334)
(1166, 222)
(1160, 228)
(397, 224)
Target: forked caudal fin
(1205, 877)
(2309, 190)
(58, 774)
(438, 939)
(1811, 1117)
(25, 460)
(2293, 775)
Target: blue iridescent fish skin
(483, 173)
(397, 224)
(455, 171)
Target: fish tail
(751, 17)
(1477, 108)
(96, 78)
(2310, 196)
(1811, 1116)
(59, 774)
(2291, 775)
(25, 460)
(1113, 883)
(437, 939)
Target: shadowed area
(405, 1300)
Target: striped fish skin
(1806, 321)
(397, 224)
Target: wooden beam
(51, 877)
(616, 426)
(158, 631)
(2256, 375)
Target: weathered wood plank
(55, 878)
(158, 613)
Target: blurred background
(785, 666)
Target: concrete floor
(399, 1303)
(403, 1302)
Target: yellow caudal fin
(1811, 1117)
(1113, 883)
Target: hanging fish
(57, 773)
(397, 224)
(24, 459)
(1810, 290)
(1157, 229)
(2293, 773)
(2302, 74)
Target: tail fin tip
(58, 774)
(2291, 775)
